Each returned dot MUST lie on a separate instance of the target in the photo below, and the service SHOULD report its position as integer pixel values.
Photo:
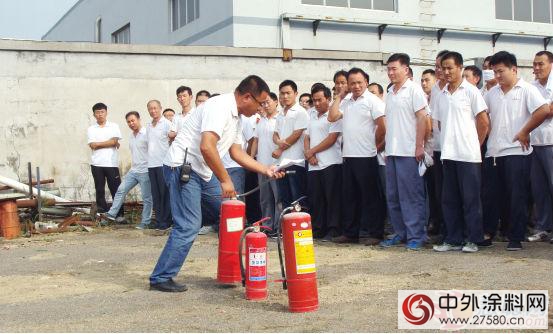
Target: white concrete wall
(48, 89)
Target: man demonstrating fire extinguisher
(212, 129)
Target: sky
(30, 19)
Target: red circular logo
(421, 302)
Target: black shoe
(514, 246)
(485, 243)
(168, 286)
(271, 234)
(345, 240)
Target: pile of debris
(36, 208)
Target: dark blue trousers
(406, 198)
(507, 186)
(292, 186)
(160, 196)
(462, 208)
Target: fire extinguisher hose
(240, 247)
(249, 192)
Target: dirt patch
(98, 282)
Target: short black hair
(456, 56)
(168, 109)
(340, 73)
(403, 58)
(357, 70)
(429, 71)
(488, 58)
(410, 71)
(203, 93)
(308, 95)
(379, 87)
(475, 71)
(132, 113)
(546, 53)
(505, 58)
(288, 83)
(273, 96)
(319, 87)
(183, 89)
(99, 106)
(441, 53)
(254, 85)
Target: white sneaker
(445, 247)
(470, 247)
(538, 236)
(205, 230)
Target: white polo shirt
(401, 119)
(296, 118)
(219, 115)
(543, 134)
(247, 134)
(358, 124)
(179, 120)
(265, 145)
(104, 157)
(508, 115)
(158, 141)
(434, 95)
(457, 114)
(138, 144)
(318, 129)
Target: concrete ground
(98, 282)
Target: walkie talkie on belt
(186, 169)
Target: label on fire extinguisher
(305, 254)
(235, 224)
(258, 264)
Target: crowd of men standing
(440, 157)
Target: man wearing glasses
(212, 130)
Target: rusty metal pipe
(47, 181)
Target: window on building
(362, 4)
(184, 12)
(122, 36)
(524, 10)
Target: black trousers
(100, 176)
(434, 179)
(362, 217)
(325, 200)
(253, 208)
(160, 197)
(507, 189)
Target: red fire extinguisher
(254, 272)
(300, 277)
(233, 213)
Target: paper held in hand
(285, 163)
